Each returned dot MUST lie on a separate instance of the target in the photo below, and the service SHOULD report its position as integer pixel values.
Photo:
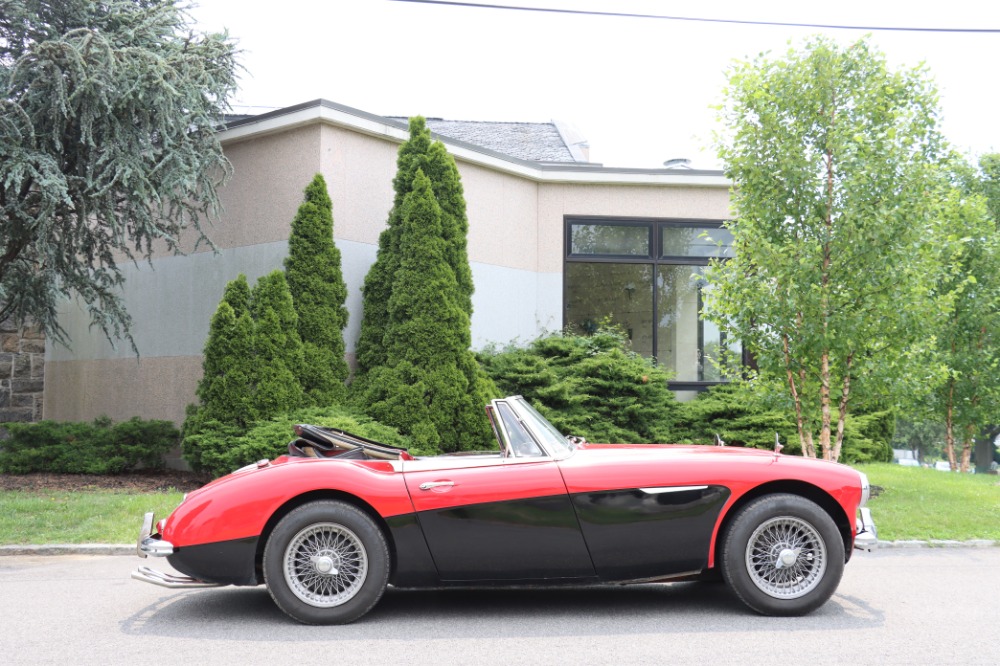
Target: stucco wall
(515, 251)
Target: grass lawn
(78, 517)
(919, 503)
(915, 503)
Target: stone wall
(22, 372)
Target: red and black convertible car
(330, 525)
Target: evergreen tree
(277, 348)
(316, 282)
(237, 295)
(378, 286)
(227, 385)
(430, 386)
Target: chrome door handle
(429, 485)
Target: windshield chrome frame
(526, 415)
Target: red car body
(537, 511)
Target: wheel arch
(790, 487)
(314, 496)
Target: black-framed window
(646, 275)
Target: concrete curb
(70, 549)
(129, 549)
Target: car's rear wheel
(326, 562)
(783, 555)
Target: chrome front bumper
(151, 544)
(866, 537)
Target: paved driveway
(898, 606)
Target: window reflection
(663, 319)
(621, 293)
(609, 239)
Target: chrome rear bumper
(866, 537)
(151, 544)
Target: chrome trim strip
(154, 577)
(670, 489)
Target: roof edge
(325, 111)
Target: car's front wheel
(783, 555)
(326, 562)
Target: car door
(501, 516)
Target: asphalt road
(894, 606)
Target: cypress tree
(378, 285)
(226, 387)
(430, 386)
(316, 282)
(277, 347)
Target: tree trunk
(985, 447)
(824, 398)
(805, 439)
(949, 423)
(842, 413)
(967, 446)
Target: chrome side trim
(670, 489)
(154, 577)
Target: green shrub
(86, 448)
(224, 449)
(734, 413)
(588, 385)
(868, 438)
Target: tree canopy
(833, 159)
(108, 113)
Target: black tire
(326, 562)
(782, 555)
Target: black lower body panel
(226, 562)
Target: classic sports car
(330, 525)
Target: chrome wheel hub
(325, 565)
(786, 557)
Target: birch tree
(833, 158)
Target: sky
(639, 90)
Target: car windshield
(551, 439)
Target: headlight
(865, 488)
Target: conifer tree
(277, 348)
(378, 283)
(226, 387)
(430, 386)
(316, 282)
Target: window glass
(522, 443)
(619, 293)
(609, 239)
(687, 344)
(695, 242)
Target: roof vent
(678, 163)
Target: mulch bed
(136, 482)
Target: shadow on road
(240, 613)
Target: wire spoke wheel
(783, 554)
(786, 557)
(325, 565)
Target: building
(554, 240)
